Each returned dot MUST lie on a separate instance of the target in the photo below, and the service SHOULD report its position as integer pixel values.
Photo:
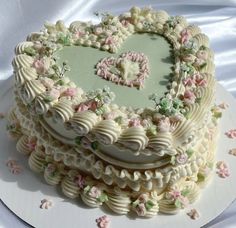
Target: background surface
(216, 18)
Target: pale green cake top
(82, 61)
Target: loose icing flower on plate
(231, 133)
(223, 105)
(193, 214)
(223, 169)
(46, 204)
(233, 151)
(13, 166)
(103, 222)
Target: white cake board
(22, 193)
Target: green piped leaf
(178, 204)
(200, 177)
(30, 51)
(185, 192)
(149, 205)
(78, 140)
(102, 198)
(87, 189)
(189, 152)
(217, 115)
(94, 145)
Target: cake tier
(147, 133)
(81, 173)
(144, 142)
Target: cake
(119, 113)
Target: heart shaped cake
(119, 113)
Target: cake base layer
(75, 182)
(28, 188)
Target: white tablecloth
(216, 18)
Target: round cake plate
(23, 193)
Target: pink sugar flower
(110, 40)
(164, 125)
(135, 122)
(223, 105)
(140, 209)
(31, 144)
(54, 94)
(79, 33)
(184, 36)
(70, 92)
(175, 194)
(189, 97)
(86, 143)
(82, 107)
(103, 222)
(95, 192)
(40, 66)
(231, 133)
(223, 173)
(189, 81)
(80, 181)
(182, 158)
(16, 169)
(51, 168)
(193, 214)
(11, 162)
(143, 198)
(93, 105)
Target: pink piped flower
(223, 169)
(40, 66)
(11, 162)
(141, 209)
(164, 125)
(125, 22)
(175, 194)
(184, 36)
(54, 94)
(223, 105)
(193, 214)
(189, 81)
(110, 40)
(95, 192)
(184, 201)
(51, 168)
(143, 198)
(231, 133)
(31, 144)
(82, 107)
(70, 92)
(223, 173)
(182, 158)
(80, 181)
(103, 222)
(135, 122)
(93, 105)
(189, 97)
(79, 33)
(16, 169)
